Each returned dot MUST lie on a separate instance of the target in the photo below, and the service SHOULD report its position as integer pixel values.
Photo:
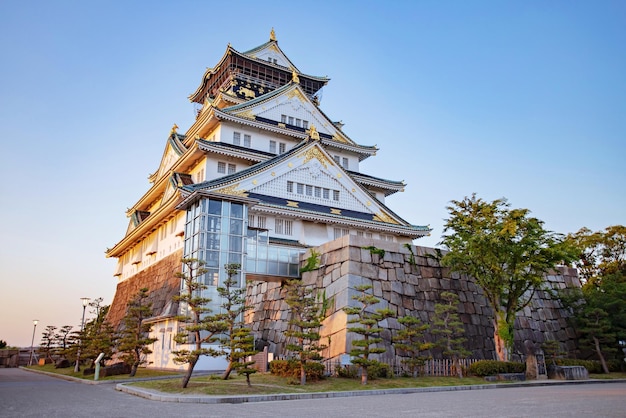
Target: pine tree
(48, 340)
(235, 336)
(450, 330)
(198, 326)
(368, 329)
(134, 339)
(410, 339)
(242, 347)
(98, 336)
(306, 319)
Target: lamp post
(82, 326)
(32, 343)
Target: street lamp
(32, 343)
(82, 326)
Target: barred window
(232, 168)
(221, 167)
(236, 138)
(273, 147)
(247, 141)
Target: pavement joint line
(123, 386)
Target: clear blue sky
(519, 99)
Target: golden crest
(383, 217)
(247, 114)
(315, 153)
(334, 211)
(292, 204)
(297, 94)
(233, 191)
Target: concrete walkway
(125, 385)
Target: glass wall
(265, 258)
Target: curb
(237, 399)
(100, 382)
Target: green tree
(3, 344)
(48, 340)
(368, 328)
(199, 327)
(307, 313)
(410, 339)
(599, 307)
(98, 335)
(134, 338)
(450, 331)
(507, 252)
(243, 347)
(234, 305)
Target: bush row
(492, 367)
(291, 368)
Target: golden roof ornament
(294, 76)
(313, 134)
(272, 35)
(174, 129)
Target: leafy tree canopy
(507, 251)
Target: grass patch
(266, 383)
(612, 375)
(141, 373)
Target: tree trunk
(363, 375)
(501, 349)
(133, 370)
(457, 365)
(605, 368)
(302, 374)
(229, 368)
(187, 375)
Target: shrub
(592, 366)
(291, 368)
(492, 367)
(616, 365)
(375, 371)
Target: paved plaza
(28, 394)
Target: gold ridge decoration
(338, 138)
(334, 211)
(383, 217)
(296, 93)
(174, 129)
(294, 76)
(233, 191)
(292, 204)
(272, 35)
(313, 134)
(247, 114)
(315, 153)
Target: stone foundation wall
(408, 285)
(162, 283)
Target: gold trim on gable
(338, 138)
(292, 204)
(383, 217)
(296, 93)
(315, 153)
(247, 114)
(233, 190)
(334, 211)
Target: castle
(260, 177)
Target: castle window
(232, 168)
(298, 122)
(290, 186)
(337, 160)
(336, 195)
(283, 118)
(221, 167)
(318, 192)
(309, 190)
(273, 147)
(261, 221)
(345, 163)
(281, 147)
(290, 120)
(236, 138)
(305, 124)
(340, 232)
(247, 141)
(300, 188)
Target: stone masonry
(408, 284)
(162, 284)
